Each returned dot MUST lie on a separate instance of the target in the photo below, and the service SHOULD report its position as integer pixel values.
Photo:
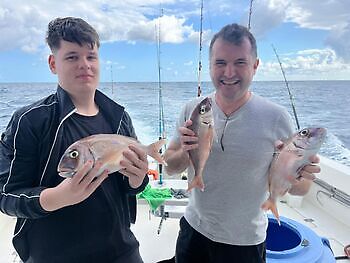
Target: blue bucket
(293, 242)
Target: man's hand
(176, 155)
(188, 138)
(135, 165)
(308, 171)
(302, 184)
(73, 190)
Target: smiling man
(225, 222)
(85, 218)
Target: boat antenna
(250, 14)
(289, 92)
(199, 91)
(160, 100)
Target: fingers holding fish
(76, 189)
(80, 174)
(188, 138)
(314, 159)
(135, 165)
(306, 174)
(97, 181)
(308, 171)
(94, 173)
(135, 157)
(189, 142)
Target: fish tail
(197, 182)
(269, 204)
(153, 151)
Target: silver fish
(106, 148)
(203, 127)
(290, 157)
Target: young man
(85, 218)
(225, 222)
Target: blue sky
(311, 37)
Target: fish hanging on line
(290, 157)
(107, 148)
(203, 126)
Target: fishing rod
(199, 91)
(289, 92)
(160, 100)
(283, 73)
(250, 14)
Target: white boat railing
(332, 192)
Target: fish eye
(304, 132)
(202, 109)
(74, 154)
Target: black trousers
(193, 247)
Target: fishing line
(289, 92)
(283, 73)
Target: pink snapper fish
(203, 127)
(107, 148)
(290, 157)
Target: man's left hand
(135, 165)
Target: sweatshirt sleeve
(19, 170)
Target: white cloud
(267, 14)
(339, 41)
(332, 16)
(24, 23)
(173, 29)
(306, 64)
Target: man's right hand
(176, 155)
(73, 190)
(188, 138)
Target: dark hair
(235, 34)
(71, 29)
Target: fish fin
(269, 204)
(153, 151)
(197, 182)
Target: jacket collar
(112, 110)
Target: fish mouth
(298, 146)
(66, 174)
(207, 122)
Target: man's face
(232, 68)
(77, 68)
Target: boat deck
(155, 247)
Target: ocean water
(318, 103)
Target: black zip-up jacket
(30, 151)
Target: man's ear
(256, 64)
(52, 63)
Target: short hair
(235, 34)
(71, 29)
